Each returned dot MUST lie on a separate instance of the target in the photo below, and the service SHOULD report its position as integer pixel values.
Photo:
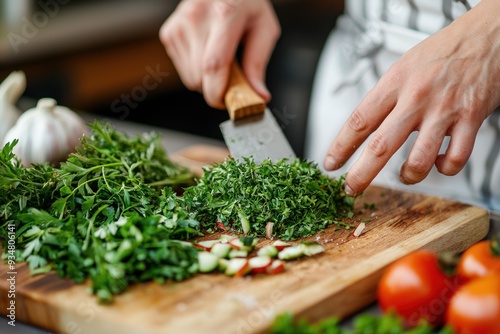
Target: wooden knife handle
(240, 99)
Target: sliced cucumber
(280, 245)
(221, 250)
(207, 261)
(244, 243)
(276, 267)
(268, 250)
(291, 253)
(312, 248)
(237, 267)
(226, 238)
(259, 264)
(234, 253)
(222, 264)
(206, 244)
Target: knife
(252, 130)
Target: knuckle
(453, 164)
(193, 11)
(419, 90)
(378, 145)
(166, 35)
(213, 64)
(357, 122)
(275, 30)
(356, 179)
(225, 8)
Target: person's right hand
(202, 36)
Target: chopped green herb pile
(363, 324)
(110, 213)
(101, 214)
(295, 196)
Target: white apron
(367, 40)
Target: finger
(388, 138)
(174, 38)
(259, 45)
(194, 57)
(424, 153)
(365, 119)
(220, 51)
(458, 151)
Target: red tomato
(475, 307)
(416, 288)
(477, 261)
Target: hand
(445, 86)
(202, 36)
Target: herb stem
(90, 227)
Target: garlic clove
(46, 133)
(11, 90)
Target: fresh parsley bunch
(296, 196)
(104, 214)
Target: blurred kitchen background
(104, 57)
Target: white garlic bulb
(46, 133)
(11, 90)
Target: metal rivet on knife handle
(240, 99)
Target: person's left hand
(445, 86)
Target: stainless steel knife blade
(258, 136)
(252, 130)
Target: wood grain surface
(338, 282)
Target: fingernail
(348, 190)
(403, 179)
(261, 88)
(330, 163)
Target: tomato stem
(448, 263)
(495, 245)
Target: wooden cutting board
(338, 282)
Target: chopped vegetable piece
(221, 226)
(259, 264)
(237, 253)
(291, 253)
(206, 244)
(269, 230)
(359, 229)
(244, 243)
(237, 267)
(268, 250)
(221, 250)
(276, 267)
(208, 262)
(226, 238)
(280, 245)
(222, 264)
(311, 248)
(245, 223)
